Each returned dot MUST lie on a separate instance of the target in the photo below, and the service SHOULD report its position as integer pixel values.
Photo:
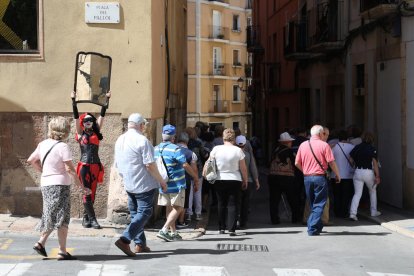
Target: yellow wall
(45, 85)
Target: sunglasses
(88, 120)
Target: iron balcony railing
(253, 39)
(219, 32)
(218, 69)
(369, 4)
(327, 23)
(219, 106)
(295, 37)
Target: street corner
(23, 224)
(107, 229)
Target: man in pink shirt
(313, 159)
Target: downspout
(198, 58)
(167, 50)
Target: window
(19, 27)
(236, 93)
(236, 125)
(360, 76)
(236, 58)
(236, 23)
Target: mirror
(92, 78)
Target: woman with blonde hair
(53, 159)
(231, 178)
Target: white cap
(136, 118)
(240, 140)
(285, 137)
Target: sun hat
(285, 137)
(136, 118)
(168, 129)
(240, 140)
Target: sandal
(65, 257)
(40, 249)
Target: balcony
(374, 9)
(219, 106)
(253, 40)
(295, 35)
(329, 31)
(218, 69)
(219, 2)
(219, 32)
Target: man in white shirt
(134, 158)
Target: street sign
(102, 12)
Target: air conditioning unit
(359, 91)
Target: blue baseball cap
(168, 129)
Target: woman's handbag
(210, 170)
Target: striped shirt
(174, 159)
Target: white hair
(166, 137)
(316, 130)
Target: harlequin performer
(90, 169)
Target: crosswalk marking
(385, 274)
(5, 243)
(103, 270)
(297, 272)
(14, 269)
(203, 271)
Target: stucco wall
(45, 85)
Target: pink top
(306, 159)
(53, 171)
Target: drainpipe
(198, 57)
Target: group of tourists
(332, 169)
(296, 162)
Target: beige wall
(34, 89)
(66, 33)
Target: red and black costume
(90, 169)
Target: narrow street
(346, 248)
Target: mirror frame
(76, 76)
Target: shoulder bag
(349, 161)
(47, 153)
(210, 170)
(162, 167)
(319, 163)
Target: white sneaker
(353, 217)
(376, 214)
(198, 217)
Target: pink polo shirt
(306, 159)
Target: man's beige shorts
(176, 199)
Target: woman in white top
(232, 177)
(53, 159)
(344, 190)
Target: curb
(389, 225)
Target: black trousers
(279, 184)
(343, 193)
(228, 194)
(245, 204)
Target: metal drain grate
(242, 247)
